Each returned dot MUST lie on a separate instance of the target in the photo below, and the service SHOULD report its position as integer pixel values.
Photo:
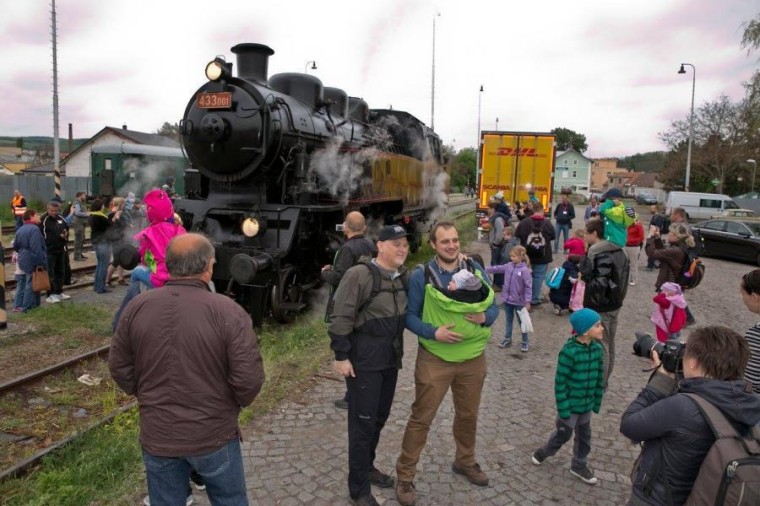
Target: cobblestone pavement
(298, 453)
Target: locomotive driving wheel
(287, 296)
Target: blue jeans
(221, 470)
(511, 311)
(31, 298)
(539, 273)
(20, 289)
(103, 255)
(565, 229)
(140, 274)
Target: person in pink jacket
(153, 241)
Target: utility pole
(56, 147)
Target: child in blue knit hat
(578, 387)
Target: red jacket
(635, 235)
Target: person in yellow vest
(18, 206)
(453, 336)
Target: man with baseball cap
(366, 334)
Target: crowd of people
(449, 303)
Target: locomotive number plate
(221, 100)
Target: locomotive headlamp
(216, 69)
(251, 227)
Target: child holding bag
(516, 294)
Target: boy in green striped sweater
(578, 390)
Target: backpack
(377, 280)
(535, 243)
(730, 473)
(554, 277)
(693, 270)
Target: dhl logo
(528, 152)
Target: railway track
(10, 284)
(86, 246)
(25, 384)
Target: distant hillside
(652, 161)
(41, 143)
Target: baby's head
(465, 280)
(670, 289)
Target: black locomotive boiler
(282, 160)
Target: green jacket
(616, 222)
(580, 378)
(440, 310)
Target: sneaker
(405, 493)
(188, 502)
(63, 296)
(586, 475)
(557, 310)
(52, 299)
(366, 500)
(380, 479)
(198, 486)
(18, 309)
(538, 457)
(524, 347)
(341, 404)
(632, 283)
(473, 474)
(505, 343)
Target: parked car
(736, 239)
(646, 198)
(699, 206)
(735, 213)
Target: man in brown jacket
(192, 359)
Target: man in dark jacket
(366, 334)
(55, 230)
(355, 247)
(192, 359)
(675, 433)
(536, 235)
(497, 222)
(564, 214)
(605, 272)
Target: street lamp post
(432, 84)
(477, 151)
(691, 120)
(754, 170)
(313, 66)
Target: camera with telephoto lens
(671, 352)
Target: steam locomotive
(282, 160)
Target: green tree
(462, 168)
(569, 139)
(170, 130)
(20, 142)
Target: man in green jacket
(617, 217)
(578, 391)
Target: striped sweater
(752, 372)
(579, 378)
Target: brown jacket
(671, 260)
(192, 359)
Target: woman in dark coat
(671, 257)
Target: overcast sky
(604, 68)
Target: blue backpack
(554, 277)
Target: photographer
(675, 434)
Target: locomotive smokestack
(253, 61)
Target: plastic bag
(576, 296)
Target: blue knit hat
(583, 320)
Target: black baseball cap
(392, 232)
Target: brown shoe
(473, 474)
(405, 493)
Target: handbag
(40, 280)
(554, 277)
(576, 296)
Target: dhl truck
(515, 163)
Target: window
(734, 227)
(564, 174)
(575, 174)
(710, 203)
(715, 225)
(575, 162)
